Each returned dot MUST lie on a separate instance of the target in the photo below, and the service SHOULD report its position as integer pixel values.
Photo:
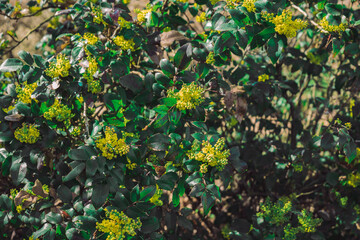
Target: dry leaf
(168, 38)
(14, 117)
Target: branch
(307, 16)
(30, 15)
(29, 33)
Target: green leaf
(182, 57)
(74, 172)
(64, 193)
(132, 82)
(159, 142)
(113, 102)
(226, 40)
(135, 193)
(26, 57)
(214, 190)
(167, 68)
(45, 228)
(327, 141)
(18, 172)
(11, 65)
(149, 225)
(39, 61)
(175, 197)
(208, 201)
(78, 154)
(100, 194)
(120, 201)
(167, 181)
(147, 193)
(334, 9)
(54, 218)
(350, 151)
(237, 16)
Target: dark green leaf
(11, 65)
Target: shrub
(207, 119)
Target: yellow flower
(213, 156)
(123, 23)
(8, 109)
(90, 38)
(94, 85)
(58, 111)
(284, 24)
(142, 15)
(155, 198)
(353, 180)
(263, 78)
(111, 146)
(130, 165)
(213, 2)
(118, 225)
(188, 97)
(98, 16)
(24, 93)
(124, 44)
(19, 208)
(231, 3)
(332, 28)
(183, 1)
(201, 18)
(249, 5)
(59, 68)
(352, 104)
(27, 133)
(348, 125)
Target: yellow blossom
(118, 226)
(249, 5)
(142, 15)
(59, 68)
(155, 198)
(58, 111)
(188, 97)
(111, 146)
(263, 78)
(332, 28)
(201, 18)
(130, 165)
(284, 24)
(124, 44)
(28, 133)
(210, 58)
(19, 208)
(94, 85)
(123, 23)
(90, 38)
(98, 16)
(213, 156)
(352, 104)
(8, 109)
(24, 93)
(348, 125)
(353, 179)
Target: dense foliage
(235, 119)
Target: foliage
(183, 120)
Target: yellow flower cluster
(24, 93)
(284, 24)
(276, 213)
(183, 1)
(58, 111)
(307, 222)
(353, 179)
(123, 23)
(213, 2)
(155, 198)
(213, 156)
(111, 146)
(98, 16)
(188, 97)
(28, 133)
(201, 18)
(232, 3)
(332, 28)
(348, 125)
(75, 132)
(60, 68)
(8, 109)
(352, 104)
(263, 78)
(91, 38)
(93, 84)
(249, 5)
(118, 225)
(130, 165)
(142, 15)
(124, 44)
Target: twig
(29, 33)
(307, 16)
(25, 16)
